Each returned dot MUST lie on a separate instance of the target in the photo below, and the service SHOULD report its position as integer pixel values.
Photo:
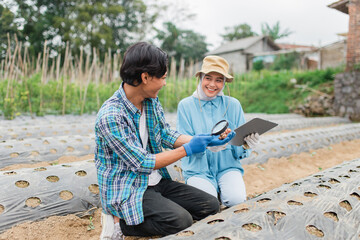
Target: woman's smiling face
(212, 83)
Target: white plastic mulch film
(325, 205)
(31, 194)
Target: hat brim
(229, 78)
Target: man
(137, 193)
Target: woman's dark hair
(140, 58)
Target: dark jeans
(170, 207)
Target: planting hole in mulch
(14, 155)
(46, 142)
(354, 194)
(63, 141)
(66, 195)
(40, 169)
(323, 186)
(185, 233)
(70, 149)
(81, 173)
(310, 194)
(10, 173)
(332, 216)
(292, 202)
(8, 146)
(52, 178)
(79, 140)
(222, 238)
(314, 231)
(215, 221)
(345, 204)
(53, 151)
(94, 188)
(241, 210)
(33, 202)
(1, 209)
(252, 227)
(333, 181)
(277, 215)
(27, 144)
(264, 200)
(22, 184)
(64, 165)
(86, 147)
(34, 153)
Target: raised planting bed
(325, 205)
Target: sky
(311, 21)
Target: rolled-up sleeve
(119, 137)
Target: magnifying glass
(219, 127)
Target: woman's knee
(232, 199)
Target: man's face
(155, 85)
(212, 84)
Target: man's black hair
(141, 58)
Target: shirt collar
(215, 102)
(129, 105)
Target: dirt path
(259, 178)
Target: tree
(274, 32)
(181, 43)
(7, 26)
(100, 24)
(237, 32)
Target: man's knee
(209, 207)
(181, 221)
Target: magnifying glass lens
(219, 127)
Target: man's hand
(218, 141)
(197, 144)
(251, 140)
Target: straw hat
(215, 64)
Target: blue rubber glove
(218, 142)
(198, 144)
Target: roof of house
(341, 5)
(295, 46)
(241, 44)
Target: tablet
(255, 125)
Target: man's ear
(145, 77)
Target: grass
(264, 91)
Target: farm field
(49, 186)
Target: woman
(218, 170)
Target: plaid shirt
(123, 166)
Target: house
(333, 55)
(307, 56)
(239, 53)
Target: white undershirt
(154, 177)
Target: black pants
(170, 207)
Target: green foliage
(285, 61)
(258, 65)
(274, 32)
(7, 26)
(237, 32)
(181, 43)
(27, 93)
(99, 24)
(263, 91)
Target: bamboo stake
(87, 85)
(66, 62)
(43, 75)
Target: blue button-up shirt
(123, 166)
(193, 119)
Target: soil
(259, 178)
